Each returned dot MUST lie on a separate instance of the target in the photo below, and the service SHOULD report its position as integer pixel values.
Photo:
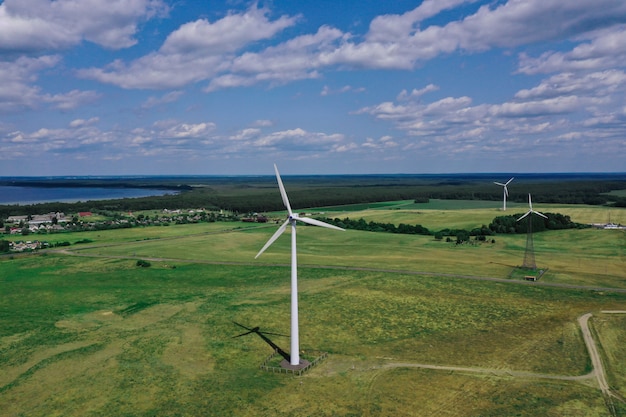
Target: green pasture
(469, 214)
(433, 204)
(94, 336)
(609, 330)
(84, 331)
(588, 257)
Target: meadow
(85, 331)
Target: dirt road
(598, 370)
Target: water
(34, 195)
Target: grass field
(466, 214)
(95, 334)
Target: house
(17, 219)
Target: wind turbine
(292, 219)
(506, 191)
(529, 254)
(530, 210)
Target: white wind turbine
(529, 254)
(506, 191)
(292, 219)
(530, 210)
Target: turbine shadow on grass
(266, 339)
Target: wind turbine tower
(292, 219)
(505, 192)
(529, 255)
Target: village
(58, 222)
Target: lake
(34, 195)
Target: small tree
(4, 246)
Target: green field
(466, 214)
(87, 332)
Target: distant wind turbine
(530, 210)
(529, 254)
(506, 191)
(292, 219)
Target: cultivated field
(410, 325)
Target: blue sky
(157, 87)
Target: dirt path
(489, 371)
(598, 369)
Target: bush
(143, 264)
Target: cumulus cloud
(298, 140)
(196, 51)
(220, 51)
(16, 89)
(38, 25)
(599, 84)
(603, 49)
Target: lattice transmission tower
(529, 255)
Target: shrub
(143, 264)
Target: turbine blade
(506, 191)
(283, 193)
(527, 213)
(540, 214)
(275, 236)
(315, 222)
(530, 203)
(507, 183)
(498, 183)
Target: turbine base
(285, 364)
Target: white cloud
(82, 122)
(558, 105)
(226, 35)
(298, 140)
(153, 101)
(605, 49)
(263, 123)
(175, 129)
(72, 99)
(196, 51)
(219, 51)
(38, 25)
(246, 134)
(390, 28)
(404, 95)
(16, 89)
(345, 89)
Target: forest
(247, 194)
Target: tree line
(260, 194)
